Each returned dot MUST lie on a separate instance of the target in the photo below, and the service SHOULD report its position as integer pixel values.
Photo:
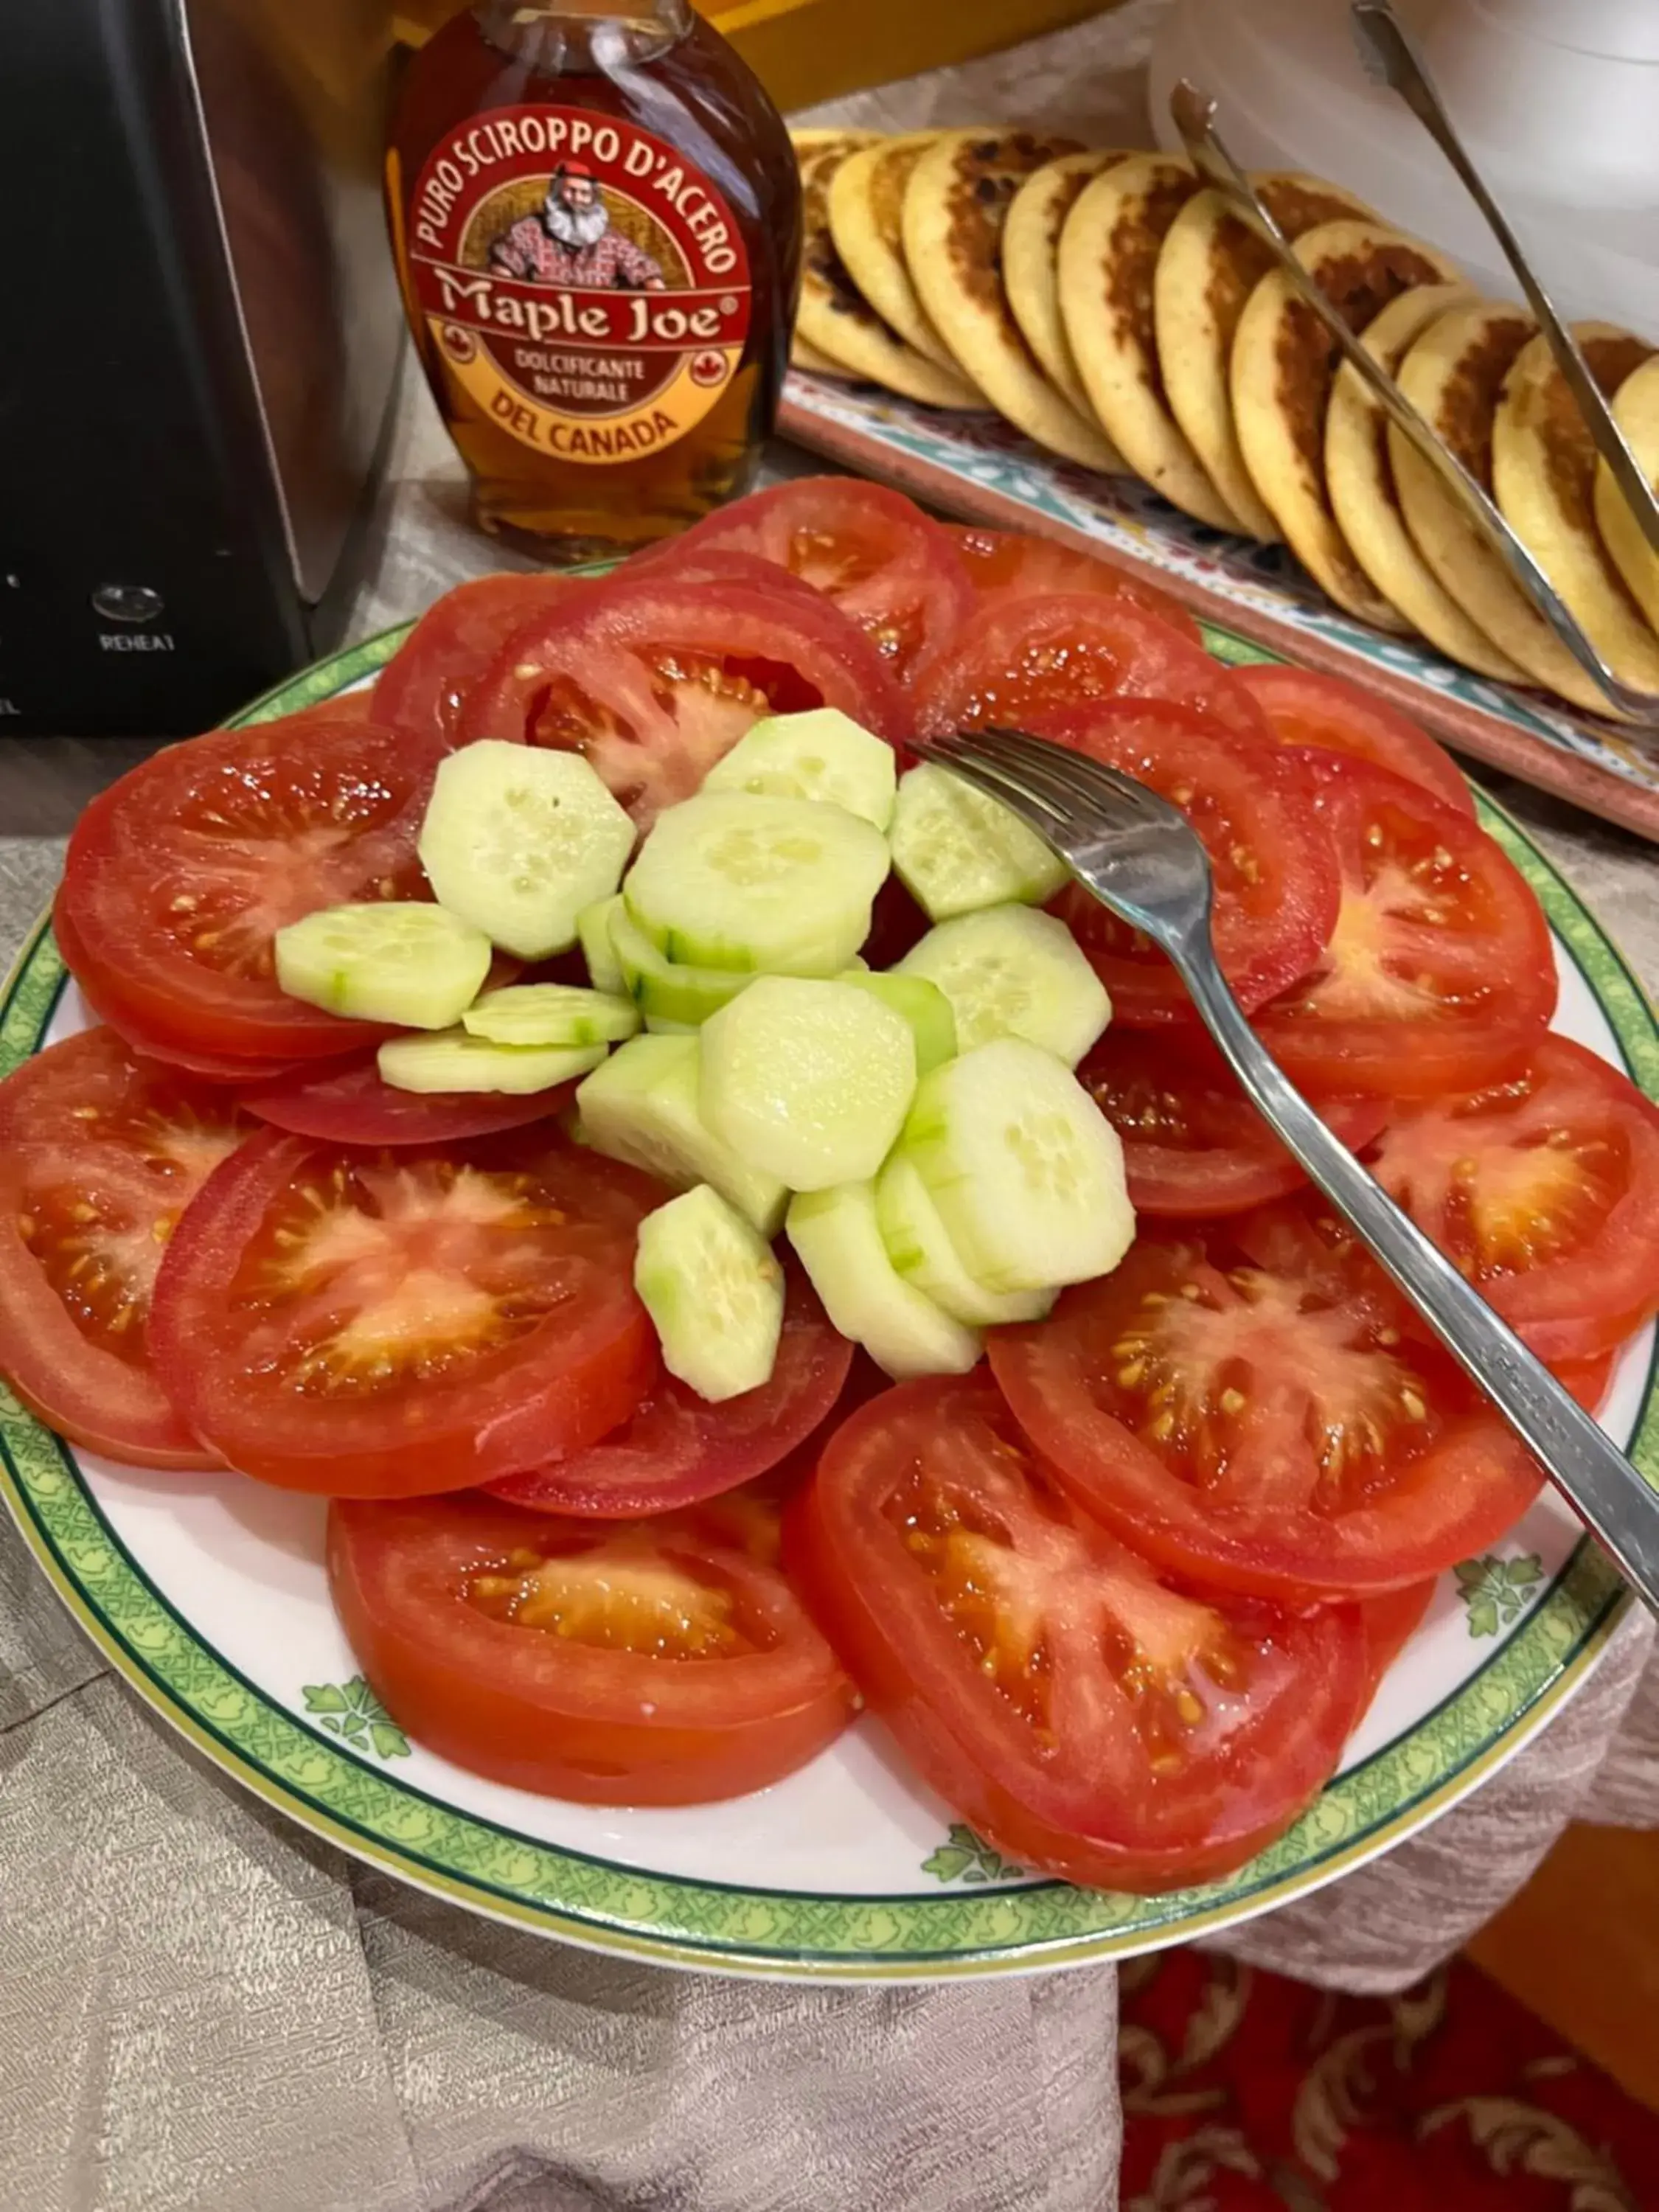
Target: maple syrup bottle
(596, 213)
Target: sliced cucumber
(822, 755)
(642, 1107)
(835, 1234)
(955, 850)
(668, 995)
(415, 966)
(550, 1014)
(923, 1004)
(919, 1248)
(519, 841)
(714, 1292)
(1011, 972)
(778, 885)
(810, 1080)
(594, 931)
(454, 1060)
(1026, 1171)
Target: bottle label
(583, 282)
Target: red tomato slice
(1264, 1427)
(1004, 565)
(1026, 659)
(423, 686)
(870, 550)
(678, 1449)
(1340, 717)
(1080, 1714)
(1440, 973)
(101, 1152)
(350, 1105)
(651, 1663)
(1276, 884)
(385, 1325)
(1193, 1143)
(356, 706)
(1545, 1192)
(180, 875)
(660, 679)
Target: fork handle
(1597, 1478)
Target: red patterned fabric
(530, 251)
(1244, 2091)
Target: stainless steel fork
(1138, 856)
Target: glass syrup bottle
(596, 213)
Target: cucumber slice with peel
(918, 1247)
(415, 966)
(1026, 1171)
(955, 850)
(823, 755)
(835, 1233)
(715, 1293)
(667, 992)
(923, 1004)
(1013, 972)
(641, 1106)
(519, 839)
(593, 933)
(810, 1080)
(454, 1060)
(550, 1014)
(776, 886)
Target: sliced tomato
(1265, 1426)
(659, 680)
(870, 550)
(1390, 1624)
(1193, 1143)
(1545, 1192)
(651, 1663)
(350, 1105)
(1276, 884)
(1004, 565)
(1027, 659)
(353, 706)
(385, 1325)
(180, 875)
(101, 1152)
(1336, 716)
(423, 686)
(1440, 973)
(678, 1448)
(1081, 1713)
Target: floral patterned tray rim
(942, 463)
(670, 1920)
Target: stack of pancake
(1114, 310)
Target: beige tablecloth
(203, 2010)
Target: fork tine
(1081, 770)
(1044, 815)
(1070, 781)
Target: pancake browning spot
(1131, 263)
(1360, 285)
(1549, 409)
(1464, 416)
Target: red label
(587, 285)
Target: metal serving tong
(1143, 861)
(1194, 113)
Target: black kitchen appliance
(199, 342)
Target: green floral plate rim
(667, 1919)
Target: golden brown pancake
(1636, 406)
(1031, 263)
(1283, 367)
(867, 223)
(802, 355)
(1108, 253)
(1211, 263)
(955, 206)
(1360, 480)
(834, 317)
(1453, 376)
(1543, 475)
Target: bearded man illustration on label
(570, 240)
